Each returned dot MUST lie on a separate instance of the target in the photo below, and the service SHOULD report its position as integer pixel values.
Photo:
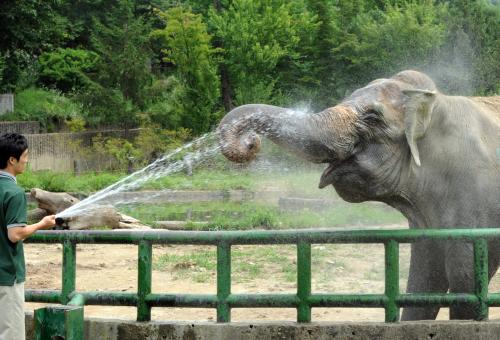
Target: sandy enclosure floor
(336, 269)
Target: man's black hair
(11, 145)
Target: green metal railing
(392, 300)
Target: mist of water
(188, 155)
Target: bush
(165, 102)
(48, 107)
(107, 106)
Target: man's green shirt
(12, 214)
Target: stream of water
(190, 154)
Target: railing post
(481, 278)
(223, 281)
(391, 280)
(144, 280)
(68, 271)
(303, 281)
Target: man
(13, 230)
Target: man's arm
(20, 233)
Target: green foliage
(376, 43)
(176, 63)
(108, 153)
(115, 93)
(478, 24)
(153, 142)
(165, 106)
(65, 68)
(48, 107)
(257, 37)
(28, 28)
(195, 90)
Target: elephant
(400, 141)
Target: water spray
(159, 168)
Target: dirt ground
(336, 268)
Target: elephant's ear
(418, 111)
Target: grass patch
(248, 263)
(67, 182)
(202, 179)
(251, 215)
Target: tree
(478, 22)
(187, 46)
(115, 93)
(317, 48)
(259, 39)
(29, 27)
(65, 68)
(377, 43)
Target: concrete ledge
(107, 329)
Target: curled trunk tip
(239, 150)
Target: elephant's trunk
(310, 136)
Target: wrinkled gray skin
(402, 142)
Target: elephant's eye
(372, 117)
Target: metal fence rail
(303, 301)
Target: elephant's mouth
(327, 176)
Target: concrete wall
(64, 151)
(6, 103)
(20, 127)
(103, 329)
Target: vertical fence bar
(145, 260)
(303, 281)
(481, 278)
(68, 270)
(391, 280)
(223, 281)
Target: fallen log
(179, 225)
(50, 203)
(53, 202)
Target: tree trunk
(227, 100)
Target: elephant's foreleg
(427, 274)
(460, 273)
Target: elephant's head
(369, 139)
